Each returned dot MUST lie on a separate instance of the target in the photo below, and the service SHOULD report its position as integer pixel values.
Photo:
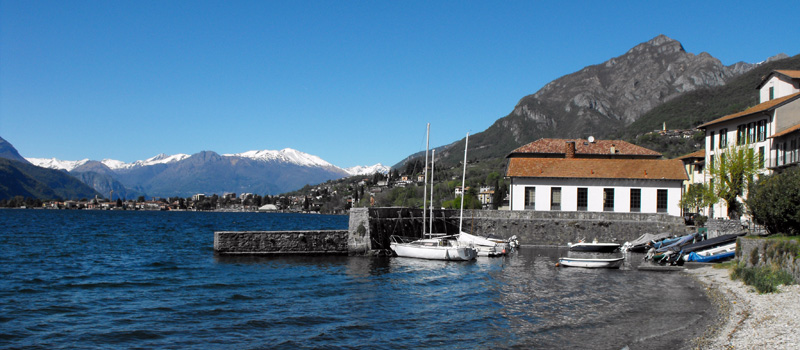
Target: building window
(771, 93)
(711, 161)
(761, 156)
(636, 200)
(555, 198)
(608, 199)
(530, 198)
(712, 141)
(741, 134)
(751, 132)
(723, 138)
(762, 130)
(583, 199)
(661, 201)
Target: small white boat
(613, 263)
(488, 246)
(438, 248)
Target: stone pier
(281, 242)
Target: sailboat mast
(425, 187)
(463, 189)
(433, 167)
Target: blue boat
(711, 258)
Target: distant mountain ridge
(260, 172)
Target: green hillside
(696, 107)
(30, 181)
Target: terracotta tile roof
(584, 147)
(699, 154)
(650, 169)
(769, 105)
(786, 132)
(792, 74)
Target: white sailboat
(432, 247)
(486, 246)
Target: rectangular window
(583, 199)
(762, 130)
(661, 201)
(712, 141)
(723, 138)
(793, 151)
(761, 156)
(555, 198)
(608, 199)
(771, 93)
(530, 198)
(711, 161)
(636, 200)
(751, 132)
(741, 134)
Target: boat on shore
(610, 263)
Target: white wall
(569, 193)
(782, 88)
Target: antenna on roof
(591, 139)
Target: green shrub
(763, 279)
(754, 256)
(773, 201)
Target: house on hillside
(769, 128)
(593, 175)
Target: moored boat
(611, 263)
(438, 248)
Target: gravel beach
(749, 320)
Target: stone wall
(756, 251)
(281, 242)
(719, 227)
(370, 228)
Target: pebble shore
(748, 320)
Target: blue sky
(353, 82)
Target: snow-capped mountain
(287, 155)
(264, 171)
(368, 170)
(53, 163)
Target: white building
(769, 128)
(596, 176)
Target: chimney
(570, 152)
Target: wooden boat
(593, 247)
(612, 263)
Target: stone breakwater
(281, 242)
(749, 320)
(370, 228)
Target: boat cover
(716, 257)
(709, 243)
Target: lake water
(103, 279)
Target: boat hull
(613, 263)
(410, 250)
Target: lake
(125, 279)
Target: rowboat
(613, 263)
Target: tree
(774, 201)
(698, 196)
(731, 173)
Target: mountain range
(602, 99)
(183, 175)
